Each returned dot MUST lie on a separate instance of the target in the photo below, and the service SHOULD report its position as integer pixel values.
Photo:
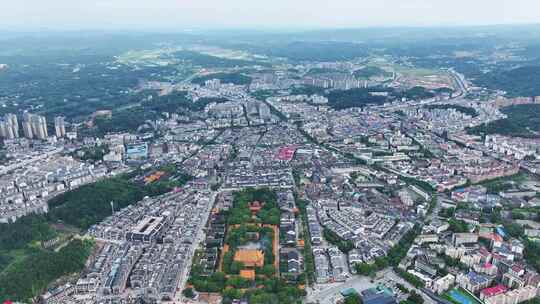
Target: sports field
(460, 296)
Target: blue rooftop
(476, 278)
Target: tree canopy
(28, 277)
(522, 121)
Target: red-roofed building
(286, 153)
(496, 240)
(486, 268)
(492, 291)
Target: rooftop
(493, 291)
(248, 274)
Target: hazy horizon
(279, 14)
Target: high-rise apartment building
(34, 126)
(14, 123)
(5, 130)
(40, 125)
(27, 126)
(59, 126)
(9, 127)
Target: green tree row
(309, 261)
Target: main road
(179, 298)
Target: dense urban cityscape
(238, 176)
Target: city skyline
(269, 153)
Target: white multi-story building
(513, 296)
(464, 238)
(443, 284)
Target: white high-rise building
(14, 123)
(35, 126)
(9, 127)
(5, 130)
(43, 128)
(27, 126)
(59, 126)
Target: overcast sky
(185, 14)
